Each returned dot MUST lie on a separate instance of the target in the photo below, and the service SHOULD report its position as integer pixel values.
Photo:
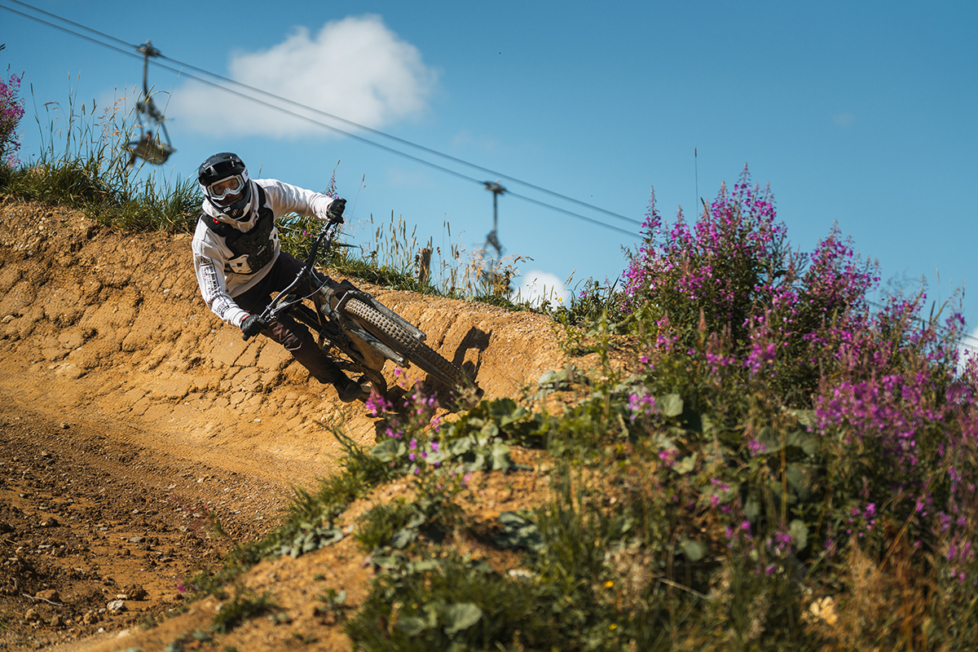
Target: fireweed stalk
(11, 111)
(767, 341)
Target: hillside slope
(128, 413)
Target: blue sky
(858, 113)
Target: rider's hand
(335, 211)
(251, 326)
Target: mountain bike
(355, 329)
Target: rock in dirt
(135, 592)
(51, 595)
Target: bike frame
(330, 319)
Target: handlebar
(281, 303)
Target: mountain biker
(239, 262)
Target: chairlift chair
(149, 147)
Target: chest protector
(252, 249)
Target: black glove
(251, 326)
(335, 211)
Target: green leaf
(387, 451)
(770, 440)
(518, 532)
(416, 520)
(799, 533)
(460, 616)
(403, 537)
(686, 464)
(505, 411)
(477, 464)
(800, 479)
(462, 445)
(693, 550)
(707, 425)
(500, 457)
(752, 509)
(423, 566)
(806, 442)
(489, 431)
(670, 405)
(411, 625)
(805, 417)
(385, 561)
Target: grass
(244, 606)
(83, 164)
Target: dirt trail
(128, 413)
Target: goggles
(220, 191)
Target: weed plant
(11, 112)
(245, 605)
(83, 164)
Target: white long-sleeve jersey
(214, 260)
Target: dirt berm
(131, 417)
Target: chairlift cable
(337, 118)
(70, 22)
(351, 123)
(407, 142)
(68, 31)
(391, 149)
(145, 148)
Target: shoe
(348, 390)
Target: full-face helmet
(225, 183)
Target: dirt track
(128, 413)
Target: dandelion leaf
(693, 550)
(686, 464)
(460, 616)
(670, 405)
(500, 457)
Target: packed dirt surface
(132, 421)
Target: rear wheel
(396, 337)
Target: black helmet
(224, 181)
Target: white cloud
(537, 286)
(355, 68)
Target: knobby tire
(391, 333)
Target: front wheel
(396, 337)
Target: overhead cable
(65, 29)
(333, 117)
